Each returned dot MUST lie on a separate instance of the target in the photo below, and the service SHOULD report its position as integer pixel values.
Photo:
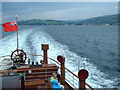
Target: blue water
(94, 48)
(98, 43)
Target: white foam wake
(31, 40)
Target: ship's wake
(30, 41)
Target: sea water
(93, 47)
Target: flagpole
(17, 34)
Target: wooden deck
(37, 77)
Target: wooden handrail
(89, 86)
(54, 60)
(48, 68)
(42, 56)
(4, 56)
(71, 72)
(8, 71)
(78, 78)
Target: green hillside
(41, 22)
(108, 19)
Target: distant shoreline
(71, 24)
(103, 20)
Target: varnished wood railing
(27, 69)
(10, 71)
(66, 69)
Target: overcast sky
(57, 10)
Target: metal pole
(17, 34)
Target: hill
(42, 22)
(108, 19)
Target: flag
(10, 26)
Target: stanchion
(82, 74)
(61, 59)
(45, 47)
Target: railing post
(82, 74)
(61, 59)
(45, 47)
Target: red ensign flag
(10, 26)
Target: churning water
(94, 48)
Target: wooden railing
(75, 77)
(74, 82)
(26, 69)
(35, 76)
